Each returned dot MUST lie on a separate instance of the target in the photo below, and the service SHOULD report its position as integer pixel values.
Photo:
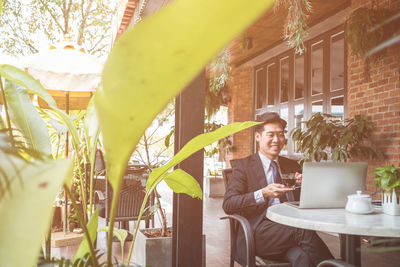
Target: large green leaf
(182, 182)
(154, 60)
(24, 115)
(91, 124)
(195, 145)
(120, 234)
(92, 132)
(26, 80)
(83, 248)
(26, 210)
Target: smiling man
(255, 185)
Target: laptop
(327, 184)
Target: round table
(339, 221)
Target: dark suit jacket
(247, 177)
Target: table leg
(352, 250)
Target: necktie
(276, 177)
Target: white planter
(156, 251)
(214, 186)
(391, 203)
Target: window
(297, 86)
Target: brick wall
(241, 108)
(378, 98)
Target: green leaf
(142, 73)
(26, 210)
(167, 140)
(91, 124)
(195, 145)
(24, 115)
(182, 182)
(26, 80)
(83, 248)
(120, 234)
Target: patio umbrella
(70, 75)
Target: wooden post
(188, 212)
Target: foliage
(226, 142)
(387, 178)
(368, 28)
(154, 148)
(217, 92)
(189, 29)
(194, 30)
(295, 28)
(22, 112)
(24, 25)
(120, 234)
(327, 137)
(30, 194)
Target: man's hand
(275, 190)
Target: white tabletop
(336, 220)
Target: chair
(334, 263)
(131, 195)
(236, 221)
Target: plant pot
(155, 251)
(391, 203)
(72, 226)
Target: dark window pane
(316, 107)
(261, 88)
(317, 62)
(284, 79)
(337, 107)
(271, 85)
(299, 77)
(337, 63)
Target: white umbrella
(69, 75)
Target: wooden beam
(188, 212)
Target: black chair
(131, 196)
(235, 222)
(334, 263)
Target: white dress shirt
(266, 163)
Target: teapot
(359, 203)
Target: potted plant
(326, 137)
(387, 178)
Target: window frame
(327, 94)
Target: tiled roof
(127, 16)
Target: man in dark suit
(255, 185)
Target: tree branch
(51, 14)
(83, 22)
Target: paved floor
(217, 237)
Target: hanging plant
(367, 31)
(217, 94)
(295, 27)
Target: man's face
(271, 140)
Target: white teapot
(359, 203)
